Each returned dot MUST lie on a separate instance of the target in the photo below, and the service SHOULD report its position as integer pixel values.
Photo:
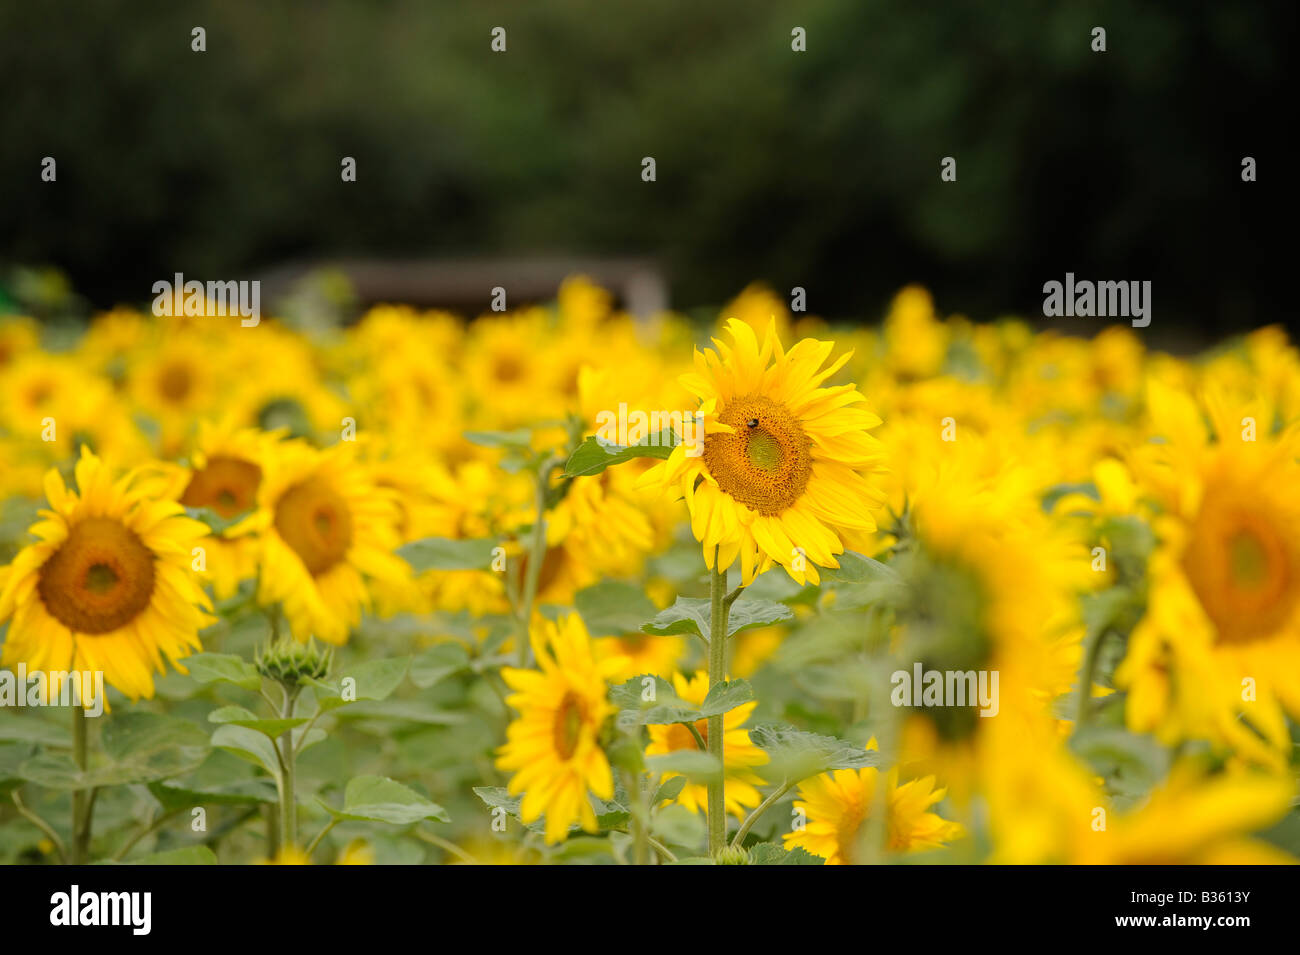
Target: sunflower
(1217, 655)
(739, 755)
(779, 478)
(554, 746)
(224, 475)
(108, 586)
(836, 804)
(325, 530)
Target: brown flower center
(766, 462)
(100, 579)
(1243, 569)
(314, 520)
(567, 730)
(227, 485)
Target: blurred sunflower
(224, 475)
(779, 478)
(836, 804)
(108, 586)
(739, 755)
(553, 748)
(325, 530)
(1217, 655)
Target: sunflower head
(782, 478)
(108, 585)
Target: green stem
(536, 555)
(321, 835)
(765, 805)
(662, 849)
(40, 824)
(1085, 679)
(288, 798)
(640, 818)
(151, 826)
(446, 846)
(80, 797)
(717, 808)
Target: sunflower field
(561, 585)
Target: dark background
(818, 169)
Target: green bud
(290, 663)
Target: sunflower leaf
(223, 668)
(696, 765)
(241, 792)
(372, 680)
(769, 853)
(380, 799)
(613, 608)
(248, 745)
(795, 754)
(857, 569)
(594, 455)
(444, 553)
(242, 717)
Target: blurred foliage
(817, 169)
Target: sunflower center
(1244, 571)
(507, 368)
(314, 520)
(100, 579)
(569, 718)
(175, 382)
(227, 485)
(767, 460)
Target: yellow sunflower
(836, 804)
(780, 477)
(224, 475)
(325, 530)
(553, 748)
(1217, 655)
(108, 586)
(739, 755)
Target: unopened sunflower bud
(731, 855)
(290, 663)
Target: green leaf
(769, 853)
(724, 697)
(190, 855)
(223, 668)
(1130, 763)
(242, 717)
(796, 754)
(669, 790)
(34, 729)
(594, 455)
(609, 815)
(694, 615)
(380, 799)
(242, 792)
(372, 680)
(695, 764)
(248, 745)
(856, 569)
(443, 553)
(437, 663)
(612, 608)
(141, 747)
(519, 438)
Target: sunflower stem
(288, 797)
(763, 807)
(80, 797)
(536, 554)
(1085, 678)
(717, 809)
